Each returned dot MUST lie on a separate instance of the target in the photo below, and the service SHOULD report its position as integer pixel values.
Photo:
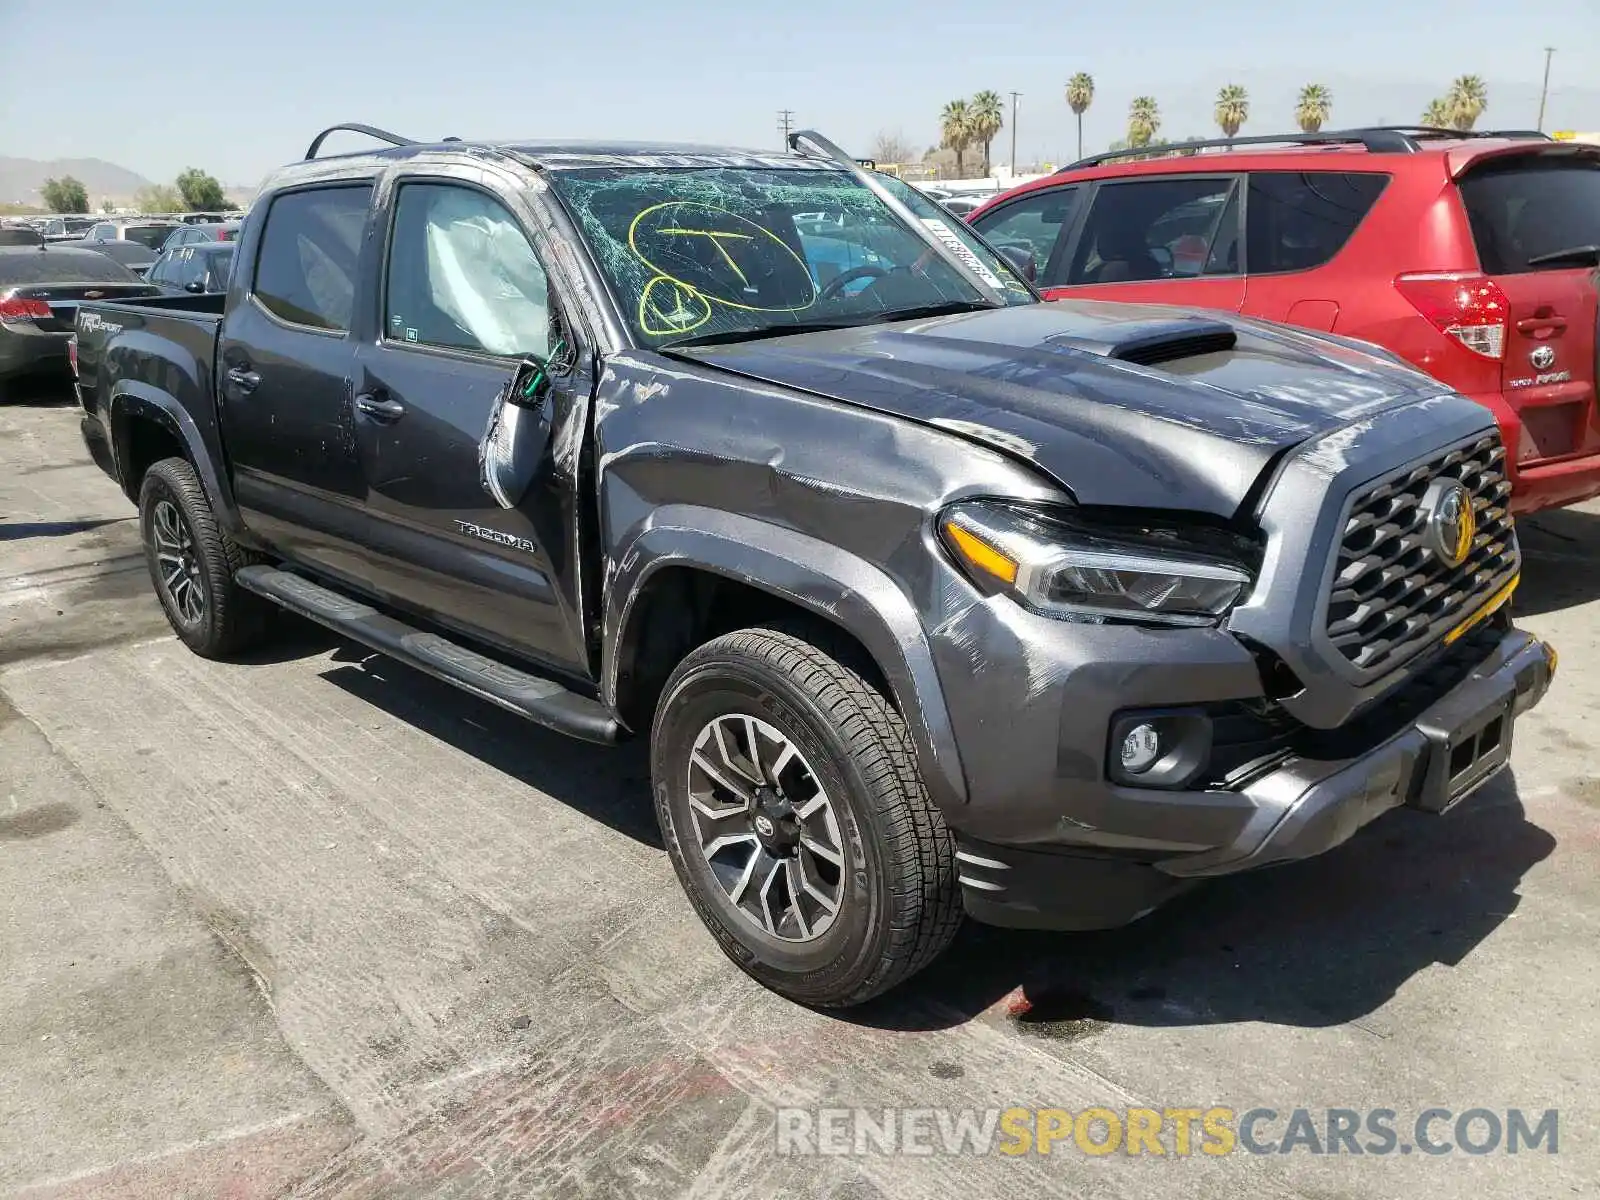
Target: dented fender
(839, 587)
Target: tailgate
(1522, 208)
(63, 300)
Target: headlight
(1061, 570)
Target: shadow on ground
(609, 784)
(1315, 943)
(43, 390)
(1561, 561)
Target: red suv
(1472, 256)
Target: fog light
(1141, 747)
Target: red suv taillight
(14, 309)
(1464, 304)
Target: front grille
(1392, 594)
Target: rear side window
(1033, 223)
(310, 248)
(1169, 228)
(1530, 207)
(1300, 219)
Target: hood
(1048, 384)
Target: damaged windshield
(723, 253)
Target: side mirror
(532, 381)
(1021, 258)
(197, 286)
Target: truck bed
(152, 345)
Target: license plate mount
(1465, 752)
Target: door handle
(244, 379)
(380, 408)
(1554, 324)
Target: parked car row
(41, 282)
(1472, 257)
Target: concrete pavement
(315, 923)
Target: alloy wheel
(766, 827)
(178, 563)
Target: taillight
(1464, 304)
(72, 354)
(15, 309)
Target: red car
(1472, 256)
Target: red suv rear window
(1533, 206)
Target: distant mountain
(22, 178)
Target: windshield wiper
(920, 312)
(727, 336)
(1578, 256)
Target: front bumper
(1101, 876)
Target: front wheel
(789, 800)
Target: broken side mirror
(1021, 258)
(514, 443)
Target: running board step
(539, 700)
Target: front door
(284, 380)
(465, 301)
(1170, 239)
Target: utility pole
(786, 124)
(1545, 90)
(1014, 96)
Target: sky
(254, 82)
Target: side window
(102, 233)
(1035, 223)
(1301, 219)
(189, 267)
(463, 276)
(161, 269)
(310, 249)
(1176, 228)
(217, 270)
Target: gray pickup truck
(931, 598)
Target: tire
(897, 905)
(192, 564)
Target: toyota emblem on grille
(1451, 522)
(1542, 357)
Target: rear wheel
(789, 799)
(192, 564)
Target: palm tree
(986, 121)
(1080, 94)
(1468, 98)
(955, 131)
(1144, 119)
(1233, 109)
(1438, 114)
(1313, 107)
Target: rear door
(1525, 212)
(1296, 224)
(285, 364)
(1162, 239)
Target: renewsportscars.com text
(1176, 1132)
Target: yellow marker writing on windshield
(716, 237)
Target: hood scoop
(1150, 343)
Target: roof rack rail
(1377, 139)
(382, 135)
(1442, 131)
